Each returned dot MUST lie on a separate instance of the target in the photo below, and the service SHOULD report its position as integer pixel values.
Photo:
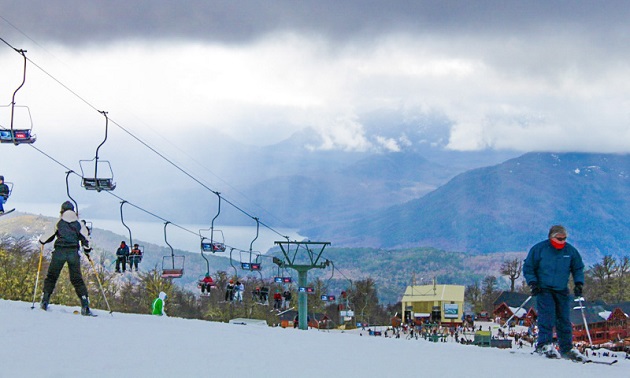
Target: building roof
(592, 311)
(426, 293)
(624, 306)
(514, 299)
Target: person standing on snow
(546, 270)
(4, 194)
(68, 233)
(121, 256)
(159, 305)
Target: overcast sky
(525, 75)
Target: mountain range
(509, 207)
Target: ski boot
(85, 306)
(574, 355)
(550, 351)
(45, 300)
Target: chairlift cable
(144, 144)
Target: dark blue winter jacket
(550, 268)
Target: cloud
(504, 75)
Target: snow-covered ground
(34, 343)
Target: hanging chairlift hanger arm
(215, 217)
(104, 113)
(76, 206)
(122, 220)
(21, 52)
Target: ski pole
(588, 332)
(39, 268)
(517, 310)
(99, 283)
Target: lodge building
(608, 324)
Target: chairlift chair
(97, 181)
(18, 135)
(13, 134)
(216, 242)
(10, 185)
(172, 266)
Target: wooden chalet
(608, 324)
(507, 305)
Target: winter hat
(557, 230)
(67, 206)
(2, 178)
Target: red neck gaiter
(557, 245)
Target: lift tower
(309, 259)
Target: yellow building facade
(434, 303)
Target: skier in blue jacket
(547, 269)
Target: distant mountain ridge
(510, 206)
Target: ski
(287, 310)
(601, 362)
(7, 212)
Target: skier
(229, 291)
(546, 270)
(286, 299)
(159, 305)
(264, 295)
(238, 290)
(206, 284)
(4, 194)
(277, 300)
(121, 256)
(68, 233)
(135, 257)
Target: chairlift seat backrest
(99, 184)
(105, 179)
(172, 266)
(17, 136)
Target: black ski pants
(59, 258)
(121, 260)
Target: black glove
(87, 250)
(577, 290)
(534, 288)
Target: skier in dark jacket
(4, 194)
(547, 269)
(121, 256)
(68, 234)
(229, 291)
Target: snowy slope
(34, 343)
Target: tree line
(19, 261)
